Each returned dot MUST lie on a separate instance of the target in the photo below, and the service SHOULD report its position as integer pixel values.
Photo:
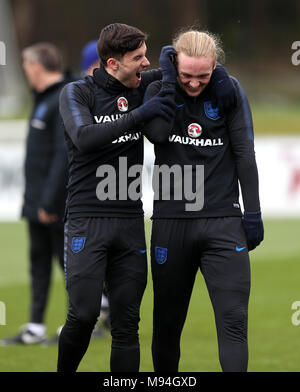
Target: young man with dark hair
(213, 152)
(104, 116)
(104, 237)
(117, 39)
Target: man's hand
(168, 68)
(223, 90)
(159, 105)
(46, 218)
(254, 229)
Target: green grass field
(276, 120)
(274, 342)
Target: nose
(194, 83)
(146, 62)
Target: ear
(214, 67)
(113, 64)
(38, 67)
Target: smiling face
(194, 73)
(128, 69)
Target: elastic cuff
(252, 215)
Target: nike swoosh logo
(143, 250)
(180, 106)
(239, 249)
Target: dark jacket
(100, 131)
(202, 138)
(46, 157)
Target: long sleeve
(56, 180)
(157, 130)
(242, 140)
(79, 123)
(150, 76)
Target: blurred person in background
(213, 236)
(45, 182)
(89, 58)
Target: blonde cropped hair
(195, 43)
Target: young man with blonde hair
(212, 235)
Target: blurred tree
(189, 12)
(24, 14)
(247, 28)
(257, 35)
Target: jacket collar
(107, 81)
(49, 89)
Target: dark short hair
(46, 54)
(117, 39)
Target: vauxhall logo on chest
(122, 104)
(194, 130)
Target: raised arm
(158, 129)
(79, 123)
(75, 102)
(224, 94)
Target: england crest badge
(78, 244)
(161, 254)
(210, 112)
